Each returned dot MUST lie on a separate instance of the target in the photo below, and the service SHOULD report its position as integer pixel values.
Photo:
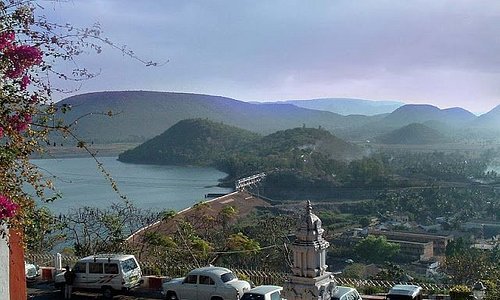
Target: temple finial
(309, 207)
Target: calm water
(158, 187)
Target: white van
(106, 272)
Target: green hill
(190, 142)
(412, 134)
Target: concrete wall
(4, 269)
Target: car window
(80, 267)
(275, 296)
(227, 277)
(111, 268)
(95, 268)
(251, 296)
(128, 265)
(191, 279)
(206, 280)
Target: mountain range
(136, 116)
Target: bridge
(242, 183)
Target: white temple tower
(309, 279)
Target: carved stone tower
(309, 279)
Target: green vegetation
(374, 249)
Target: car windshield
(128, 265)
(251, 296)
(227, 277)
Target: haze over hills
(412, 134)
(347, 106)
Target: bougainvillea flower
(21, 58)
(7, 207)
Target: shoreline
(99, 150)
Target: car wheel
(216, 298)
(171, 296)
(107, 292)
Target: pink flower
(19, 123)
(1, 132)
(7, 207)
(6, 39)
(25, 81)
(21, 58)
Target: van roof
(405, 289)
(105, 257)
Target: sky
(445, 53)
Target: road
(46, 291)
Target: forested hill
(141, 115)
(238, 151)
(191, 142)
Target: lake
(148, 186)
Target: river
(157, 187)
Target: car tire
(171, 296)
(216, 298)
(107, 292)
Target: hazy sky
(445, 53)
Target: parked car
(263, 292)
(405, 292)
(32, 271)
(207, 283)
(345, 293)
(109, 273)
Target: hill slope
(489, 120)
(412, 134)
(141, 115)
(347, 106)
(420, 113)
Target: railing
(258, 277)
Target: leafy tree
(467, 265)
(376, 249)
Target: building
(415, 250)
(310, 279)
(439, 242)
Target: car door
(188, 289)
(206, 287)
(80, 270)
(112, 275)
